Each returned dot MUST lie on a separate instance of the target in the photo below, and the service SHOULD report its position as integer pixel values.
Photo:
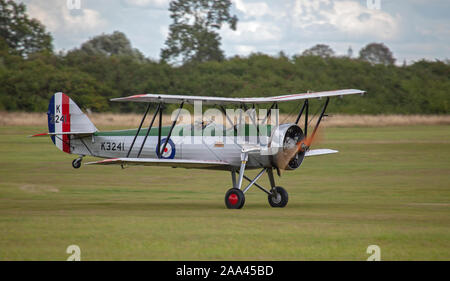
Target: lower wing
(189, 164)
(317, 152)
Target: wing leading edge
(221, 100)
(317, 152)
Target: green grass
(387, 186)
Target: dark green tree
(192, 35)
(377, 53)
(319, 50)
(23, 35)
(116, 43)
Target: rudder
(65, 118)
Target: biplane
(236, 147)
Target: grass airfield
(388, 186)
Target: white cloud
(439, 30)
(88, 20)
(412, 29)
(256, 9)
(164, 31)
(37, 12)
(57, 17)
(253, 31)
(148, 3)
(348, 17)
(245, 49)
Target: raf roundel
(169, 151)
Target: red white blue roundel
(169, 151)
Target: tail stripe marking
(65, 104)
(51, 117)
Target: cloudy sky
(412, 29)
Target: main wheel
(279, 198)
(234, 198)
(76, 163)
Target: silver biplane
(235, 148)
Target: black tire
(76, 163)
(234, 198)
(279, 199)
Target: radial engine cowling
(283, 145)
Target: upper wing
(189, 164)
(220, 100)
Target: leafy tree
(377, 53)
(192, 35)
(28, 83)
(108, 68)
(319, 50)
(111, 44)
(23, 35)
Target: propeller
(302, 146)
(305, 144)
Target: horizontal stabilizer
(189, 164)
(317, 152)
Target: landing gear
(234, 198)
(76, 163)
(279, 197)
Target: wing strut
(268, 114)
(229, 119)
(149, 128)
(305, 109)
(137, 133)
(301, 112)
(159, 132)
(306, 118)
(277, 115)
(252, 118)
(321, 115)
(161, 151)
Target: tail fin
(65, 118)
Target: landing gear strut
(76, 163)
(235, 197)
(278, 197)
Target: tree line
(107, 66)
